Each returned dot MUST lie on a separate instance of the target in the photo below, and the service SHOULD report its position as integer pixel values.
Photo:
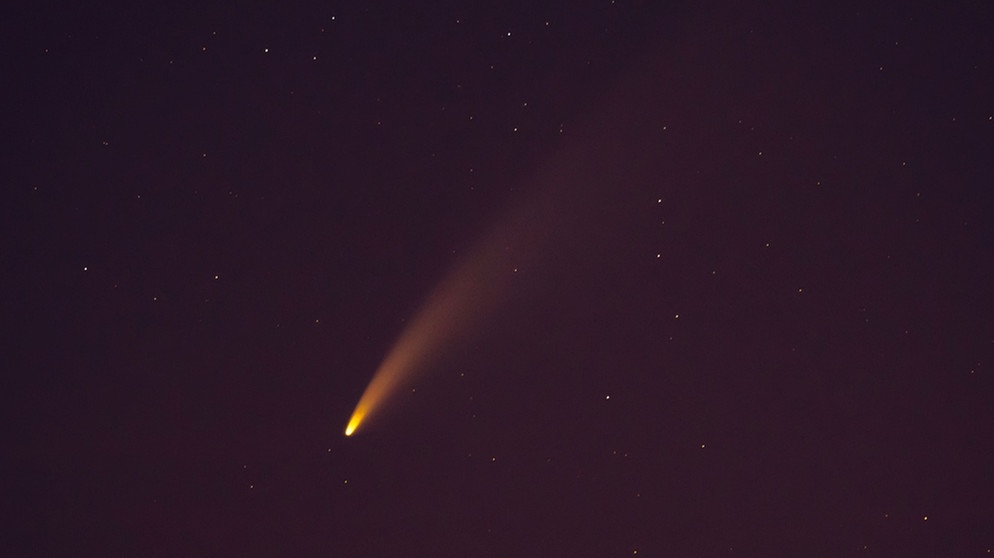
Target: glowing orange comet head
(354, 421)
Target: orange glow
(354, 421)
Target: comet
(474, 286)
(578, 206)
(458, 301)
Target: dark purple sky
(745, 258)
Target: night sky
(736, 295)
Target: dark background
(751, 309)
